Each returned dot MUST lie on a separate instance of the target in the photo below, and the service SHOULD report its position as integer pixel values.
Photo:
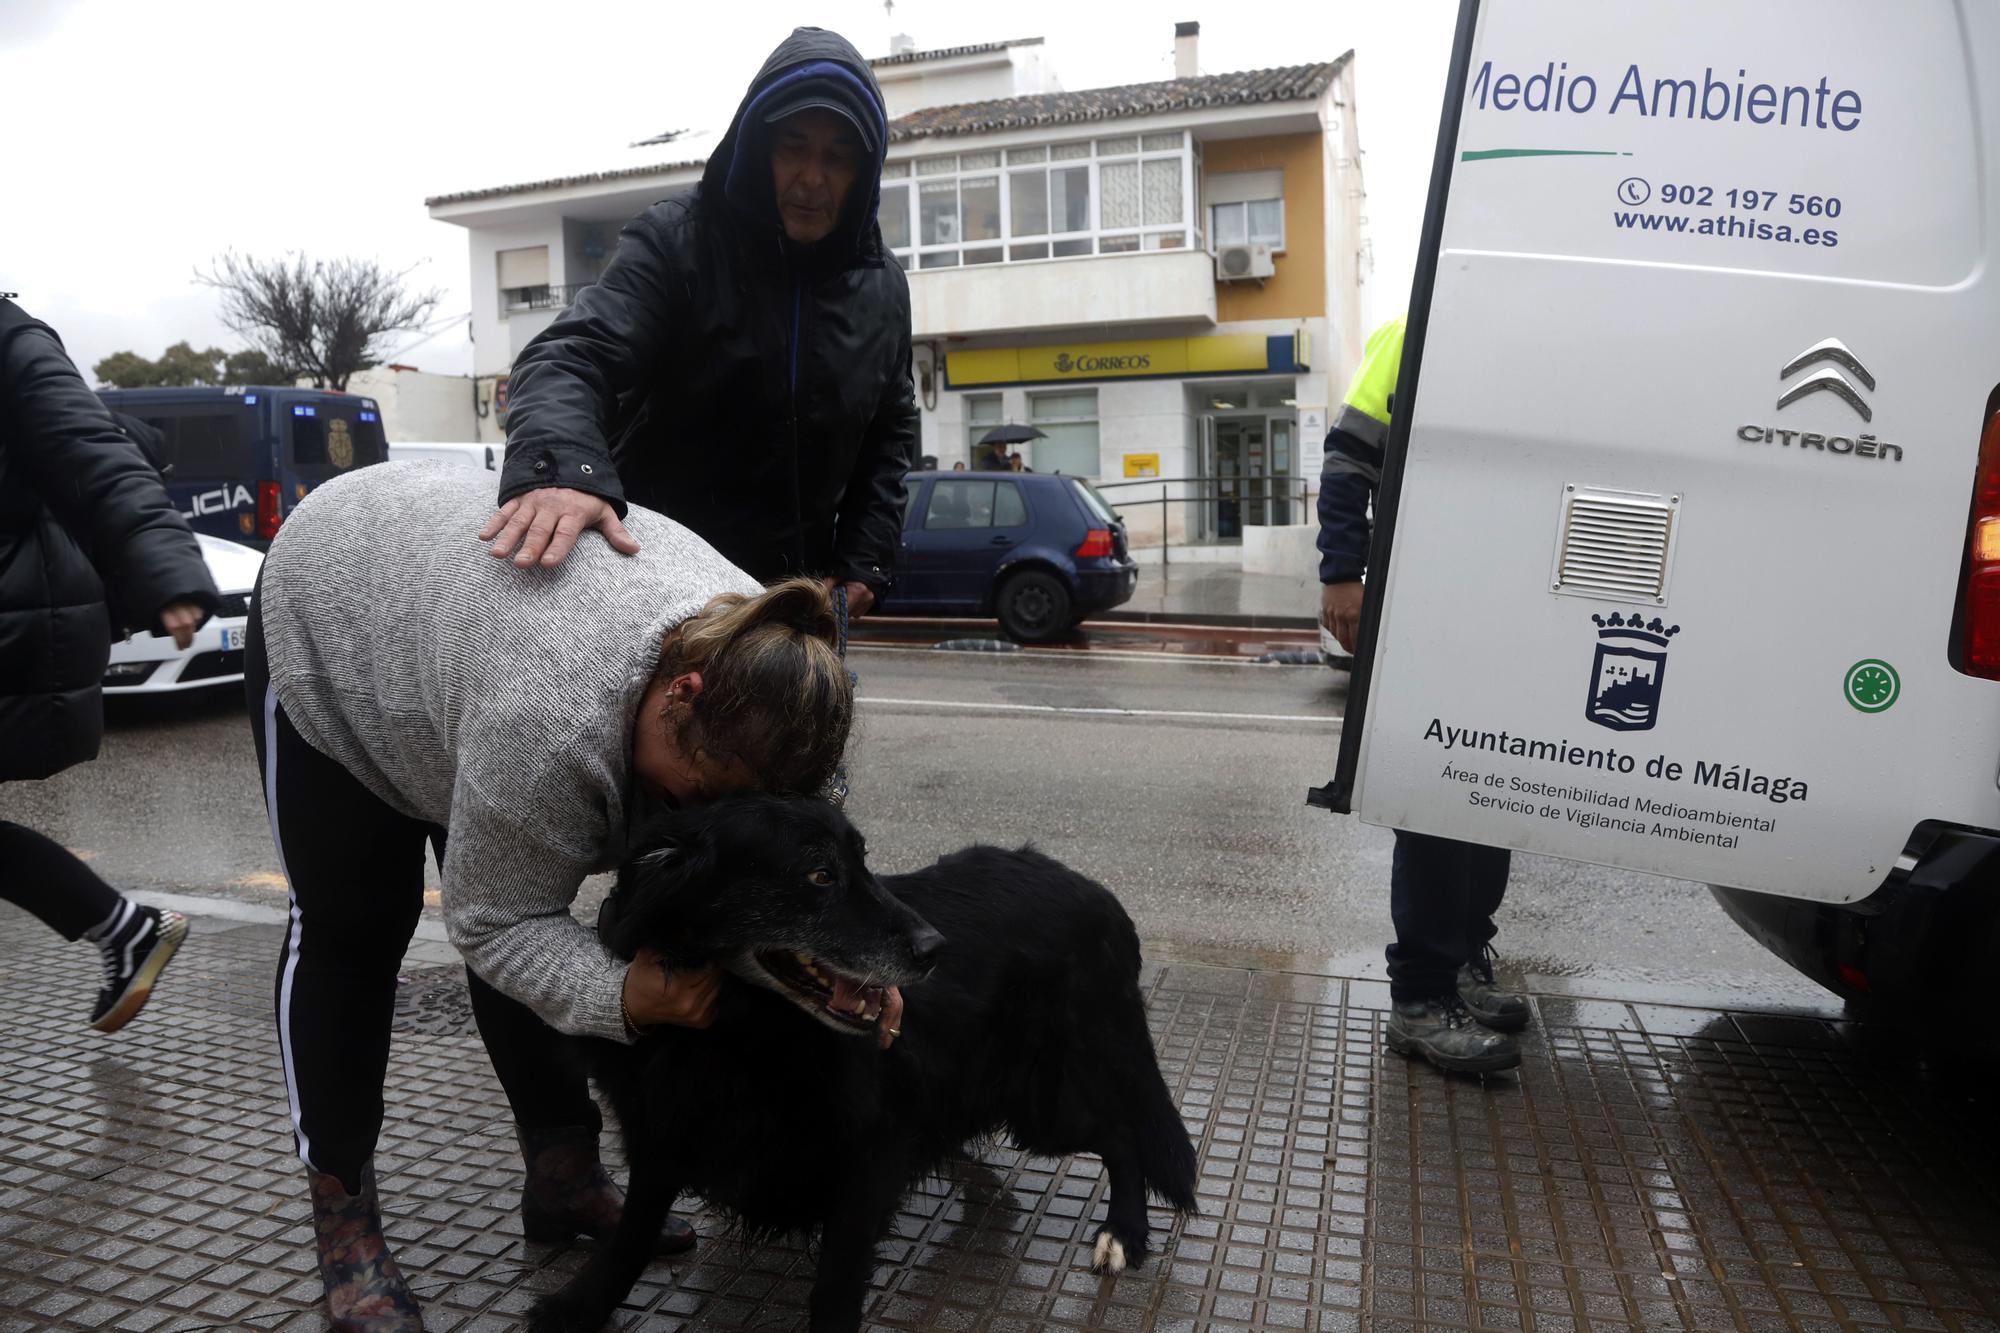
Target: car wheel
(1033, 607)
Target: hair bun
(803, 604)
(775, 693)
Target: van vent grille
(1616, 544)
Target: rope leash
(838, 788)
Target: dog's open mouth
(850, 1001)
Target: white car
(150, 664)
(478, 457)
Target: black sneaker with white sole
(1444, 1032)
(135, 951)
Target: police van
(1689, 524)
(238, 459)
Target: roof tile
(1244, 88)
(948, 52)
(1292, 83)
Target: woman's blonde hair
(775, 695)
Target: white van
(1690, 516)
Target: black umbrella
(1012, 435)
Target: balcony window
(979, 212)
(1030, 207)
(1117, 195)
(895, 216)
(937, 212)
(547, 296)
(524, 278)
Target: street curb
(1217, 619)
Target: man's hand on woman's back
(541, 526)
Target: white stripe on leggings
(292, 932)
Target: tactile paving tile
(1647, 1169)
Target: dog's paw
(563, 1313)
(1117, 1250)
(1109, 1257)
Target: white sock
(112, 924)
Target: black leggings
(356, 870)
(46, 878)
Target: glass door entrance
(1242, 475)
(1247, 453)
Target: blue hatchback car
(1039, 551)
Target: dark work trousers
(355, 866)
(1443, 895)
(46, 878)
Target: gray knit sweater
(495, 701)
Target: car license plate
(233, 636)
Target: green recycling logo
(1872, 685)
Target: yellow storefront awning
(1150, 358)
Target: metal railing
(1222, 513)
(549, 296)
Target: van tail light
(1982, 562)
(1097, 544)
(268, 514)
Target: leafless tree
(323, 316)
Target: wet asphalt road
(1177, 781)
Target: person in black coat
(90, 544)
(993, 458)
(743, 366)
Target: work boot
(1503, 1011)
(365, 1291)
(1444, 1032)
(136, 945)
(568, 1192)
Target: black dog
(1024, 1016)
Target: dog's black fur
(1025, 1017)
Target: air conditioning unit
(1240, 263)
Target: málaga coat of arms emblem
(1625, 678)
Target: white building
(420, 405)
(1165, 278)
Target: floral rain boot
(365, 1291)
(569, 1193)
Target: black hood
(737, 178)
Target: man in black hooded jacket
(743, 365)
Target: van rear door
(213, 456)
(1672, 522)
(326, 435)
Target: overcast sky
(143, 138)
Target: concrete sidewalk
(1201, 593)
(1648, 1168)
